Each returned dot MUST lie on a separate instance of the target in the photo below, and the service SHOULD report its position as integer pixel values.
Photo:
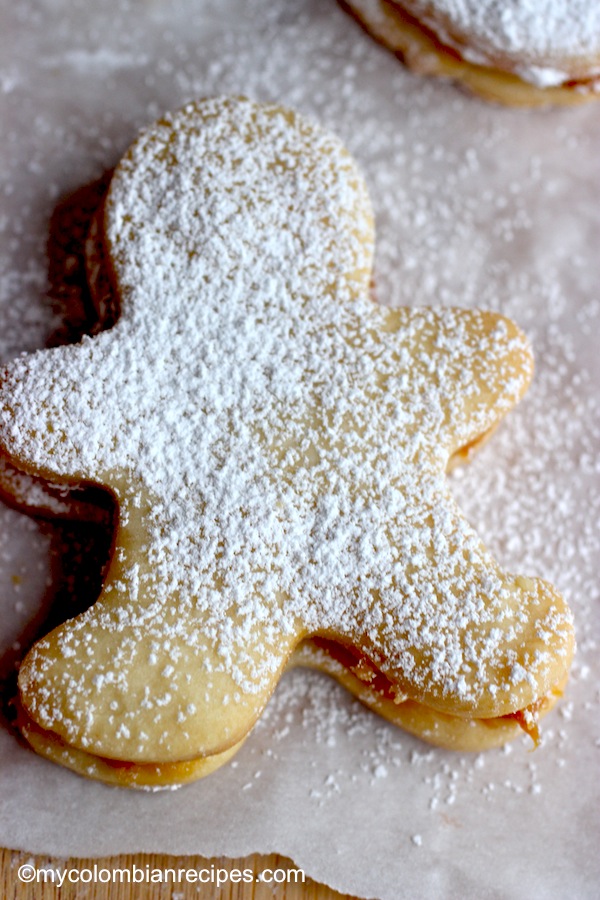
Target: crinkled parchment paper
(476, 205)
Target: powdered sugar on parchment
(475, 206)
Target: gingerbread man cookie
(277, 446)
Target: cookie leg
(150, 674)
(457, 633)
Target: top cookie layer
(277, 444)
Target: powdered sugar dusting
(290, 437)
(542, 30)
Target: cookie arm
(50, 405)
(466, 368)
(491, 374)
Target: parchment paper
(476, 205)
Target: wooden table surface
(12, 888)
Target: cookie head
(277, 444)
